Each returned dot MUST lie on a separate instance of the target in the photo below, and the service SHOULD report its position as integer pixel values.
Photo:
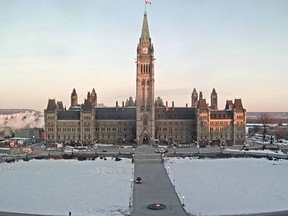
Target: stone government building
(146, 120)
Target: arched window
(145, 120)
(143, 82)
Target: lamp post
(174, 150)
(168, 170)
(130, 198)
(119, 150)
(222, 147)
(174, 183)
(183, 198)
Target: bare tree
(279, 133)
(265, 119)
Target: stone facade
(144, 121)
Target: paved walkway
(156, 186)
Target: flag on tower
(148, 2)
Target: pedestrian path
(156, 187)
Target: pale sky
(238, 47)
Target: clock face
(145, 50)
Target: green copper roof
(145, 37)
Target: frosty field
(103, 187)
(100, 187)
(230, 186)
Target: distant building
(32, 133)
(146, 120)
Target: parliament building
(146, 120)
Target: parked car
(138, 180)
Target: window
(145, 120)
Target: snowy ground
(103, 188)
(261, 152)
(230, 186)
(100, 187)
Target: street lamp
(130, 198)
(183, 197)
(119, 150)
(174, 150)
(222, 147)
(168, 170)
(174, 183)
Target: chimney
(122, 104)
(173, 105)
(117, 105)
(186, 105)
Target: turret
(200, 95)
(74, 98)
(214, 103)
(194, 98)
(93, 98)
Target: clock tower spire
(145, 111)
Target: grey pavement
(156, 186)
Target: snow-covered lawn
(103, 187)
(230, 186)
(100, 187)
(261, 152)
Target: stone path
(156, 186)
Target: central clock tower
(145, 110)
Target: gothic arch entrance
(145, 140)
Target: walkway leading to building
(156, 186)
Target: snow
(230, 186)
(262, 152)
(103, 187)
(100, 187)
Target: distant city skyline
(240, 48)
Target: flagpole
(144, 6)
